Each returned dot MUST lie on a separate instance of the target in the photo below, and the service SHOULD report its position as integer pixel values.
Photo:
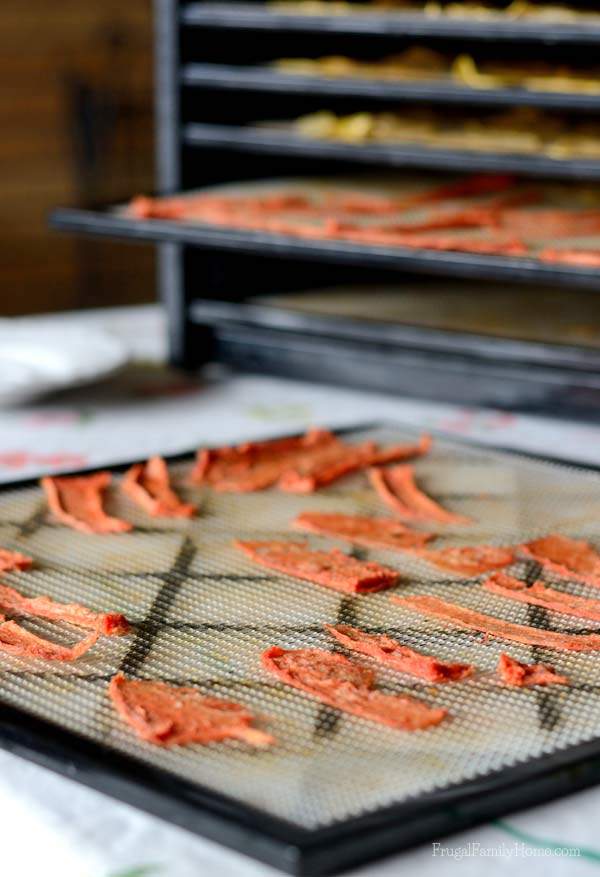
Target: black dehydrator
(508, 331)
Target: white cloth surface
(52, 826)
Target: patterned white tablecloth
(52, 826)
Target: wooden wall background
(75, 128)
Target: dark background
(76, 123)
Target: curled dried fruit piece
(77, 502)
(15, 640)
(336, 681)
(10, 560)
(468, 560)
(148, 485)
(330, 568)
(460, 616)
(171, 715)
(538, 594)
(396, 487)
(310, 474)
(568, 558)
(109, 624)
(360, 530)
(392, 653)
(296, 465)
(513, 672)
(256, 465)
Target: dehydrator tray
(493, 322)
(114, 221)
(284, 140)
(275, 17)
(336, 790)
(263, 78)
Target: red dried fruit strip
(538, 594)
(189, 207)
(170, 715)
(393, 654)
(278, 201)
(552, 223)
(15, 640)
(360, 530)
(333, 569)
(489, 246)
(396, 487)
(109, 624)
(578, 258)
(480, 184)
(468, 217)
(323, 467)
(358, 203)
(568, 558)
(261, 468)
(468, 560)
(77, 502)
(148, 485)
(475, 217)
(460, 616)
(310, 474)
(10, 560)
(142, 207)
(513, 672)
(500, 244)
(518, 198)
(256, 465)
(336, 681)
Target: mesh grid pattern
(203, 614)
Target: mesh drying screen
(204, 613)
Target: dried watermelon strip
(460, 616)
(467, 217)
(148, 485)
(468, 560)
(109, 624)
(393, 654)
(142, 207)
(77, 502)
(256, 465)
(499, 243)
(330, 568)
(361, 530)
(308, 475)
(359, 203)
(568, 558)
(336, 681)
(205, 205)
(552, 223)
(578, 258)
(10, 560)
(170, 715)
(15, 640)
(478, 184)
(396, 487)
(323, 467)
(538, 594)
(513, 672)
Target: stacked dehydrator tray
(529, 332)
